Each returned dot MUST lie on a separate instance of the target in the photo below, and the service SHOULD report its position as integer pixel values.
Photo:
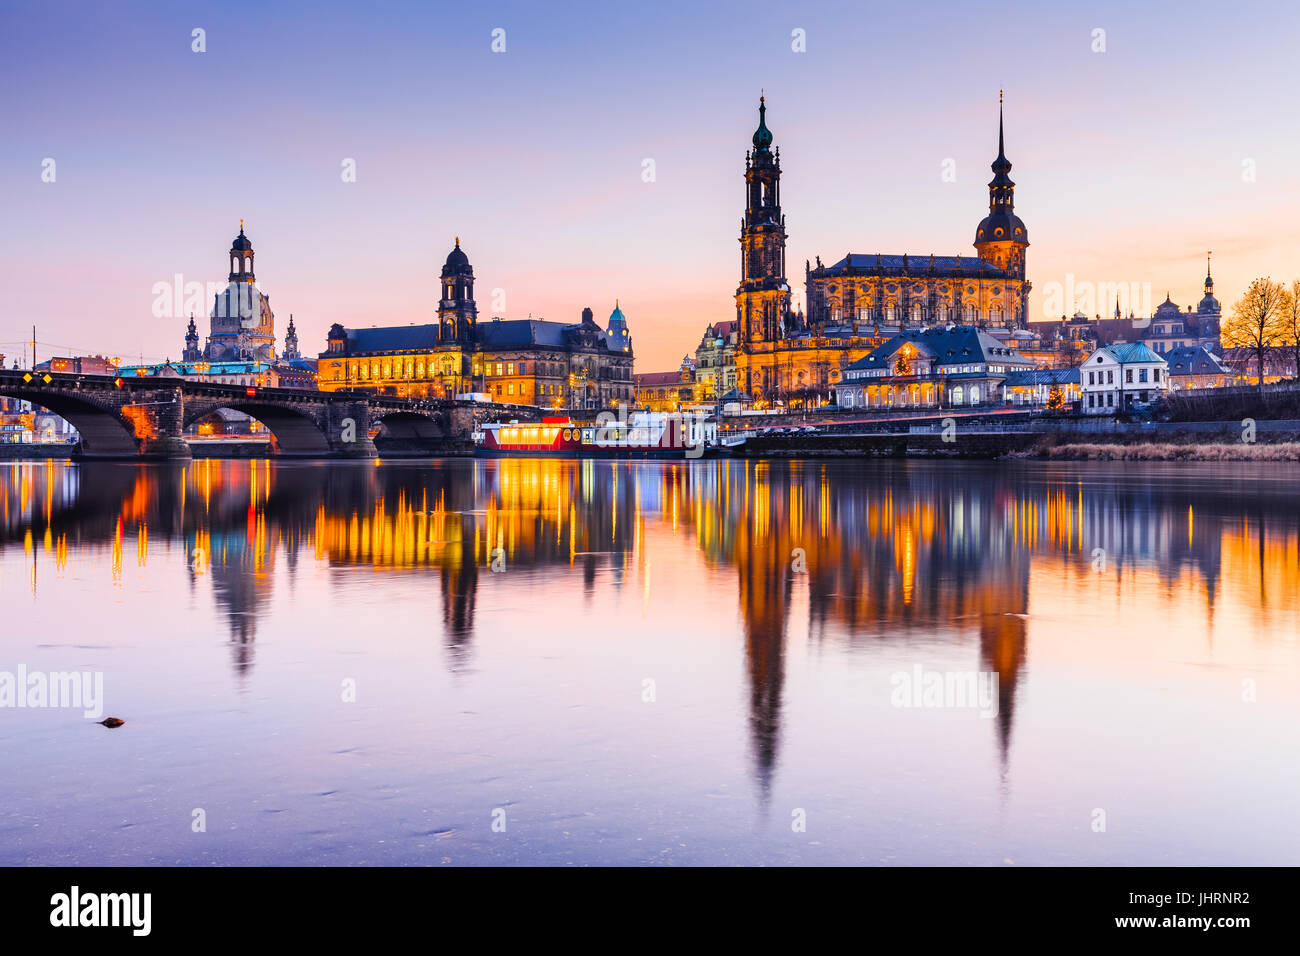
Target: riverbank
(1164, 451)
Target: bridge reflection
(850, 554)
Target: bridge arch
(296, 432)
(411, 425)
(106, 431)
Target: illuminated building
(1196, 367)
(934, 368)
(1034, 387)
(552, 365)
(241, 344)
(667, 391)
(857, 303)
(715, 361)
(1117, 377)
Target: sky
(1134, 150)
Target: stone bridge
(146, 417)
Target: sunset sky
(1129, 163)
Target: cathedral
(242, 325)
(863, 299)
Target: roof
(868, 263)
(195, 368)
(658, 378)
(496, 334)
(950, 346)
(393, 338)
(514, 333)
(1194, 360)
(1130, 353)
(1044, 376)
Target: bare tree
(1256, 321)
(1290, 312)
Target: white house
(1118, 378)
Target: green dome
(762, 135)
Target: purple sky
(1129, 163)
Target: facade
(715, 361)
(668, 391)
(931, 368)
(1195, 367)
(862, 300)
(1034, 387)
(551, 365)
(1118, 378)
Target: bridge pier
(347, 430)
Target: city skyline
(544, 181)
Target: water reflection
(868, 552)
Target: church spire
(762, 135)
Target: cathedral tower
(291, 352)
(192, 352)
(1001, 237)
(763, 297)
(457, 312)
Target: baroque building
(715, 361)
(556, 365)
(242, 325)
(859, 302)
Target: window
(510, 389)
(1142, 375)
(498, 368)
(974, 395)
(1092, 378)
(521, 367)
(1110, 399)
(1128, 375)
(1156, 373)
(510, 368)
(1110, 376)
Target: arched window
(974, 394)
(958, 396)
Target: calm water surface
(677, 664)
